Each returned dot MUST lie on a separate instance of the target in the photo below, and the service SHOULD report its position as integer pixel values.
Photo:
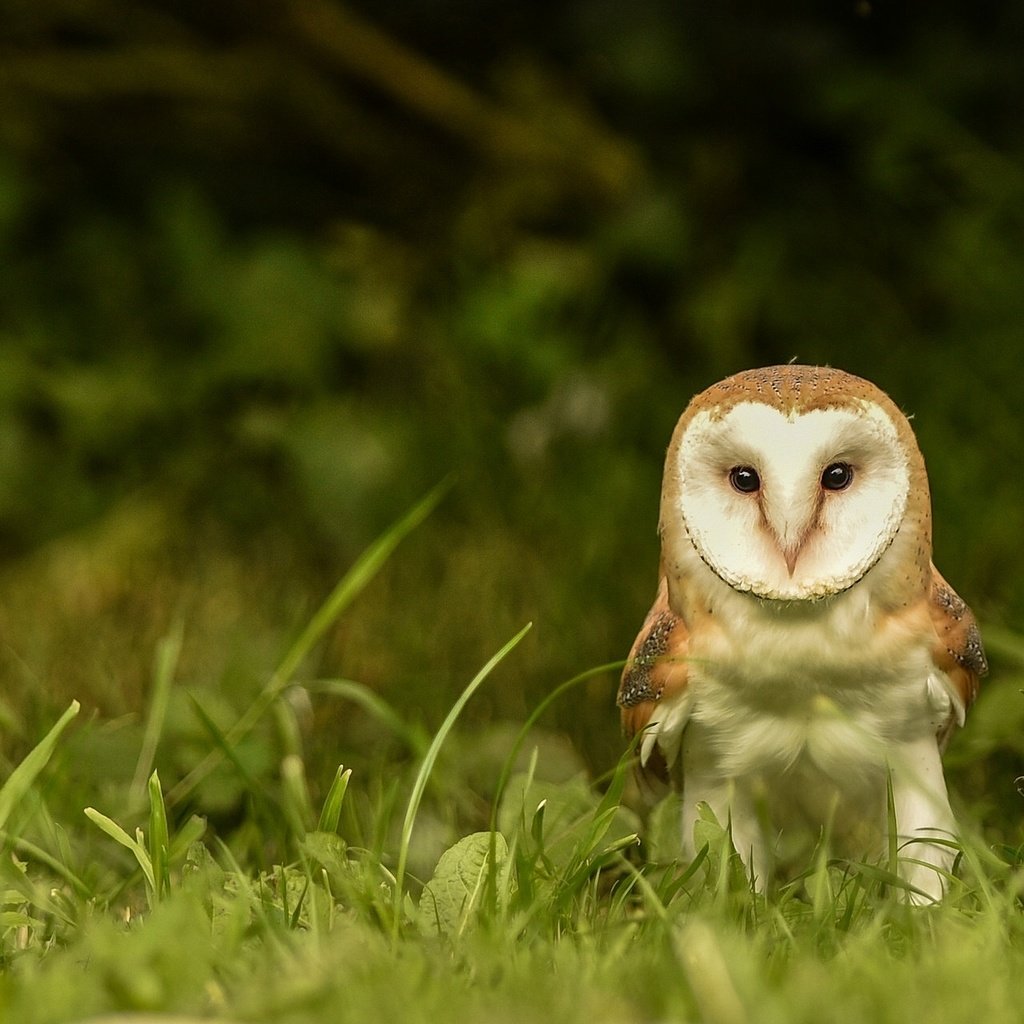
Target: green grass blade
(892, 826)
(369, 563)
(348, 588)
(330, 815)
(375, 706)
(608, 806)
(420, 785)
(119, 835)
(652, 901)
(297, 806)
(223, 744)
(159, 839)
(21, 779)
(34, 852)
(535, 715)
(166, 662)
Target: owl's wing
(653, 696)
(958, 653)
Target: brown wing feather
(958, 650)
(656, 668)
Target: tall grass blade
(369, 563)
(420, 785)
(348, 588)
(20, 780)
(166, 662)
(892, 826)
(159, 839)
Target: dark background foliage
(271, 270)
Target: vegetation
(274, 272)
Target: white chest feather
(820, 683)
(780, 688)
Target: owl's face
(786, 503)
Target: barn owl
(802, 651)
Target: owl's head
(792, 482)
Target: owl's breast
(834, 683)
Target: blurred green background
(271, 270)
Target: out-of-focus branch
(364, 52)
(232, 81)
(174, 71)
(301, 74)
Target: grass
(356, 904)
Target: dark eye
(745, 479)
(837, 476)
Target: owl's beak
(789, 547)
(789, 523)
(791, 554)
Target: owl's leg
(734, 809)
(923, 814)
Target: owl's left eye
(745, 479)
(837, 476)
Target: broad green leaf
(449, 898)
(326, 848)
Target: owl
(804, 663)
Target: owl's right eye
(745, 479)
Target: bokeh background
(271, 270)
